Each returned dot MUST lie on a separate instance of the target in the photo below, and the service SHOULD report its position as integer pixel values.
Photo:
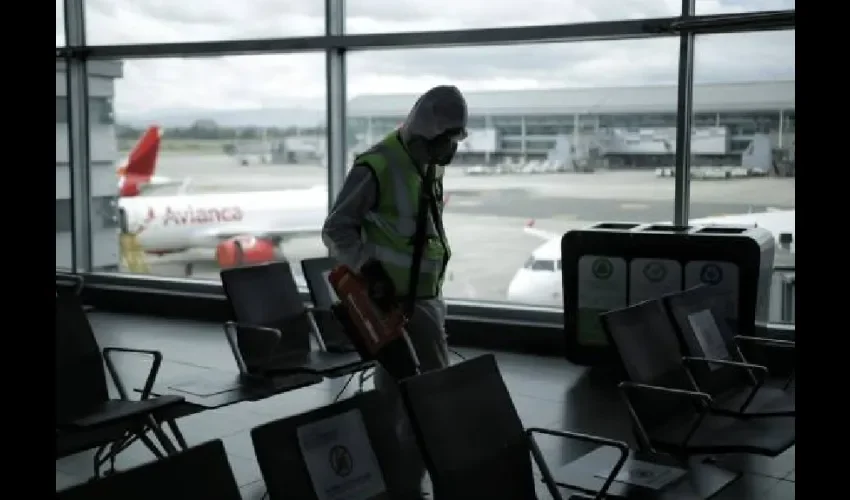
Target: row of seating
(690, 393)
(266, 303)
(86, 415)
(468, 430)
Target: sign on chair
(340, 459)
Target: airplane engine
(243, 250)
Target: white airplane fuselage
(539, 281)
(164, 224)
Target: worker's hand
(381, 288)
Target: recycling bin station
(611, 265)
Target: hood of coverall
(435, 125)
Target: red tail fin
(141, 163)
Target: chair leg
(181, 441)
(344, 387)
(160, 436)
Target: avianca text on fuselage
(194, 216)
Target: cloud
(297, 80)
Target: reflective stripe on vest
(390, 228)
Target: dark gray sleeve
(341, 231)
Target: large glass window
(220, 161)
(111, 22)
(512, 195)
(742, 168)
(60, 23)
(703, 7)
(64, 209)
(381, 16)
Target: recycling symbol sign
(655, 271)
(711, 274)
(602, 268)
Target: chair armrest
(724, 362)
(113, 372)
(749, 367)
(704, 404)
(547, 475)
(784, 344)
(75, 281)
(247, 326)
(698, 396)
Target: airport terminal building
(103, 152)
(629, 126)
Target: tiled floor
(548, 392)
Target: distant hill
(271, 117)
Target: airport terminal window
(60, 23)
(703, 7)
(376, 16)
(244, 144)
(751, 145)
(151, 21)
(489, 215)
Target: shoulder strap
(419, 240)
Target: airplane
(136, 173)
(242, 228)
(539, 283)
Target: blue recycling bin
(611, 265)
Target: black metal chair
(202, 471)
(315, 272)
(265, 297)
(282, 448)
(669, 413)
(86, 416)
(472, 439)
(715, 360)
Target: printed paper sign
(652, 278)
(723, 275)
(601, 287)
(708, 336)
(340, 459)
(645, 474)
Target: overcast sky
(297, 80)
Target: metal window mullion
(684, 110)
(78, 144)
(336, 99)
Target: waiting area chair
(669, 412)
(322, 296)
(266, 303)
(86, 416)
(714, 358)
(472, 439)
(202, 471)
(343, 448)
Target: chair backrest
(646, 342)
(322, 295)
(470, 434)
(199, 472)
(342, 446)
(267, 295)
(698, 316)
(316, 272)
(80, 375)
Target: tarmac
(485, 215)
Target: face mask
(443, 154)
(443, 149)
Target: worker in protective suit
(372, 228)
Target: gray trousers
(427, 333)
